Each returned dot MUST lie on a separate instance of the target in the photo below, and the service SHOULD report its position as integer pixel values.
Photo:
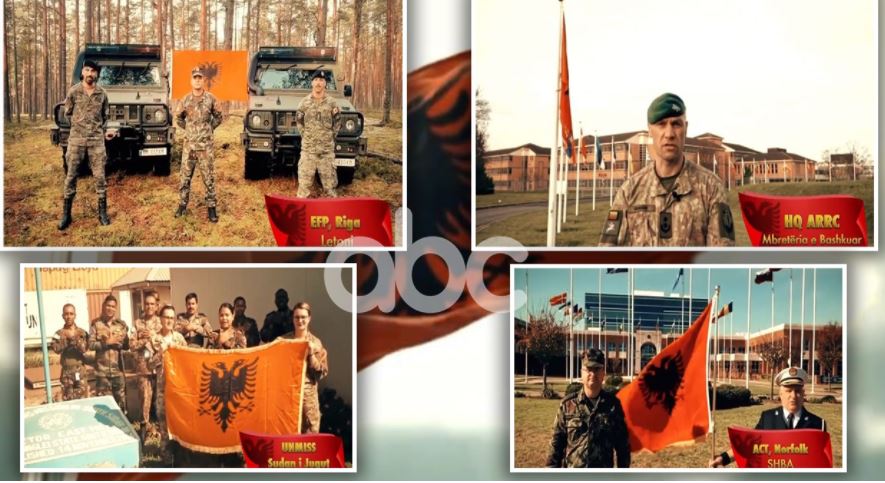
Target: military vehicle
(138, 95)
(279, 78)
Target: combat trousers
(309, 165)
(97, 159)
(73, 387)
(113, 384)
(190, 160)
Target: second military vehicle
(138, 94)
(279, 77)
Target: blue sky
(543, 283)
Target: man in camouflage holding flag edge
(318, 118)
(86, 105)
(198, 116)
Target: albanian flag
(667, 403)
(212, 395)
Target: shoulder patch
(726, 222)
(612, 226)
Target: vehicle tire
(256, 166)
(162, 165)
(345, 175)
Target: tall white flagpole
(631, 364)
(611, 186)
(690, 286)
(571, 318)
(742, 170)
(579, 158)
(527, 321)
(565, 161)
(713, 314)
(551, 188)
(747, 344)
(559, 191)
(802, 324)
(790, 346)
(595, 179)
(813, 328)
(772, 307)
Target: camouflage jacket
(250, 328)
(72, 345)
(587, 435)
(318, 120)
(235, 340)
(162, 343)
(88, 113)
(195, 337)
(142, 348)
(108, 339)
(693, 213)
(276, 323)
(198, 116)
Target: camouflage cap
(592, 359)
(91, 64)
(198, 71)
(664, 106)
(791, 376)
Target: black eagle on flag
(225, 392)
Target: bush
(828, 399)
(728, 397)
(613, 380)
(518, 394)
(549, 394)
(573, 388)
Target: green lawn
(533, 421)
(505, 198)
(530, 229)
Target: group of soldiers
(160, 328)
(198, 115)
(590, 430)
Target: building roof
(534, 147)
(777, 154)
(142, 276)
(741, 148)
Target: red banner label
(296, 452)
(796, 448)
(804, 221)
(300, 222)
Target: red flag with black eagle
(565, 103)
(667, 403)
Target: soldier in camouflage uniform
(226, 336)
(246, 324)
(71, 342)
(192, 324)
(589, 430)
(163, 339)
(198, 115)
(318, 119)
(143, 350)
(86, 105)
(671, 202)
(278, 322)
(109, 337)
(317, 368)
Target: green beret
(666, 105)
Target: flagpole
(39, 285)
(578, 171)
(690, 300)
(559, 204)
(772, 308)
(565, 160)
(813, 326)
(713, 313)
(802, 324)
(730, 345)
(611, 186)
(551, 181)
(599, 316)
(571, 315)
(595, 162)
(747, 344)
(631, 344)
(790, 346)
(527, 321)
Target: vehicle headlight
(350, 125)
(256, 121)
(154, 115)
(160, 115)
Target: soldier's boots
(103, 211)
(181, 210)
(213, 217)
(66, 215)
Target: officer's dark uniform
(589, 433)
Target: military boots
(66, 215)
(103, 211)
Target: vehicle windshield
(134, 75)
(291, 78)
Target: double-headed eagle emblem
(224, 392)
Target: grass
(141, 206)
(530, 229)
(34, 358)
(533, 421)
(506, 198)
